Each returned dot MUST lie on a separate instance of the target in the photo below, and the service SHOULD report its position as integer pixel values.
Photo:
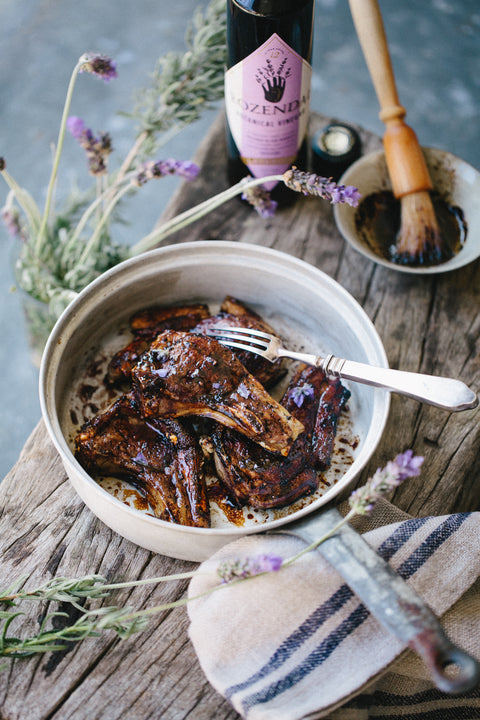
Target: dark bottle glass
(267, 88)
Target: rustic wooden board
(428, 324)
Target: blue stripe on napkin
(399, 537)
(392, 699)
(296, 639)
(412, 707)
(436, 538)
(316, 658)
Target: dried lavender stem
(197, 212)
(24, 199)
(101, 222)
(58, 152)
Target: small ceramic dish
(456, 181)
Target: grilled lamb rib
(145, 326)
(161, 458)
(331, 404)
(188, 374)
(234, 313)
(255, 476)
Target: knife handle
(452, 669)
(389, 598)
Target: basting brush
(419, 240)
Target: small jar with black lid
(334, 148)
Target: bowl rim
(53, 351)
(340, 214)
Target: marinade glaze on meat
(187, 374)
(160, 457)
(267, 454)
(145, 326)
(264, 480)
(233, 313)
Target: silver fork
(446, 393)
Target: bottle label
(267, 101)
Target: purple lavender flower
(140, 458)
(311, 184)
(299, 393)
(248, 567)
(160, 372)
(96, 148)
(260, 199)
(351, 195)
(407, 465)
(11, 219)
(76, 127)
(388, 478)
(99, 65)
(161, 168)
(187, 170)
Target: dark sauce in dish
(378, 218)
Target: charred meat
(186, 391)
(234, 313)
(159, 457)
(263, 480)
(187, 374)
(145, 326)
(333, 400)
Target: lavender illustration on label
(273, 80)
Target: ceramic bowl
(309, 308)
(457, 181)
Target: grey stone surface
(435, 50)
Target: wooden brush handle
(405, 161)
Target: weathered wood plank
(428, 324)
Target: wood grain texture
(428, 324)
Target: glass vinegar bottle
(267, 88)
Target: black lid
(334, 148)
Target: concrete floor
(435, 46)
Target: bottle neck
(270, 8)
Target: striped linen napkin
(299, 644)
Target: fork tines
(233, 337)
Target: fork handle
(443, 392)
(446, 393)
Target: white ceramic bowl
(311, 308)
(457, 181)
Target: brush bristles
(419, 240)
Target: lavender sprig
(362, 501)
(326, 188)
(11, 218)
(230, 570)
(260, 199)
(99, 65)
(88, 62)
(97, 148)
(161, 168)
